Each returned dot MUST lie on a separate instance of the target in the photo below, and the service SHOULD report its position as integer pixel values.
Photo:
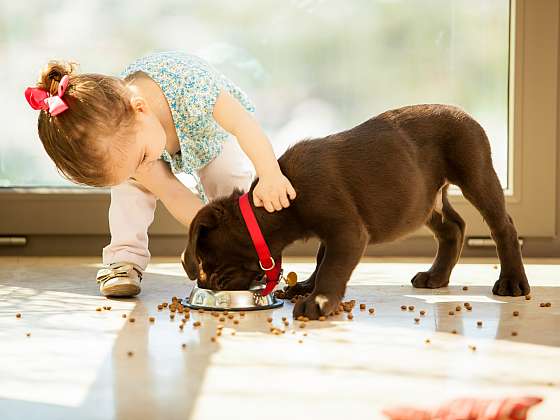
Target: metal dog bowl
(230, 300)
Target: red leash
(272, 268)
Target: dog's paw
(429, 280)
(315, 306)
(300, 288)
(512, 285)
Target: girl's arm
(273, 188)
(181, 202)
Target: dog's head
(219, 253)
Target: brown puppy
(373, 183)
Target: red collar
(267, 263)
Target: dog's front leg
(342, 252)
(306, 286)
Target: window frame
(533, 107)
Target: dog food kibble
(417, 320)
(130, 353)
(98, 309)
(465, 288)
(219, 333)
(427, 341)
(403, 307)
(201, 311)
(453, 331)
(18, 315)
(479, 323)
(466, 304)
(457, 308)
(422, 312)
(322, 318)
(542, 304)
(196, 324)
(131, 319)
(180, 309)
(124, 315)
(151, 319)
(269, 319)
(515, 313)
(469, 308)
(291, 279)
(241, 313)
(302, 325)
(159, 307)
(213, 339)
(172, 316)
(28, 334)
(362, 306)
(451, 312)
(235, 321)
(528, 297)
(174, 299)
(350, 317)
(548, 304)
(284, 318)
(472, 348)
(184, 345)
(514, 333)
(230, 316)
(411, 308)
(164, 304)
(371, 310)
(221, 319)
(233, 333)
(181, 326)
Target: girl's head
(98, 140)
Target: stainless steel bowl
(230, 300)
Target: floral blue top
(191, 87)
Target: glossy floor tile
(64, 360)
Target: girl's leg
(130, 214)
(230, 169)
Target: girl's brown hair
(98, 107)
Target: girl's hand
(272, 192)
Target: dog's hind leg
(486, 194)
(449, 230)
(470, 167)
(306, 286)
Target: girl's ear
(139, 104)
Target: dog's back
(389, 168)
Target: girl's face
(145, 142)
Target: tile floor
(75, 363)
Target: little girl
(168, 113)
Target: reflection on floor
(63, 359)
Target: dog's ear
(207, 218)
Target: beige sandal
(120, 280)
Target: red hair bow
(41, 99)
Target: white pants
(132, 206)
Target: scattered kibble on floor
(479, 323)
(18, 315)
(515, 313)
